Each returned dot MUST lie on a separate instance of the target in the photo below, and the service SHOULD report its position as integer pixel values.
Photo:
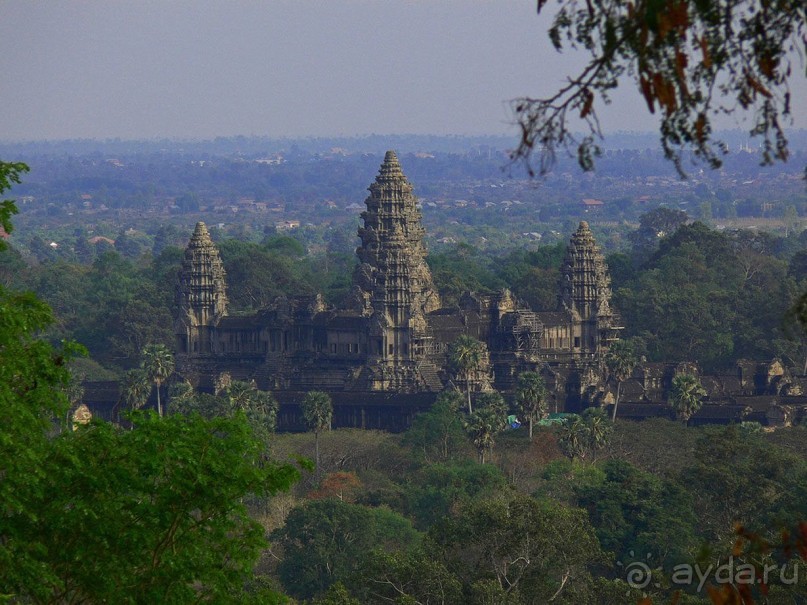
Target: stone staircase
(428, 374)
(270, 372)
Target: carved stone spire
(392, 284)
(393, 277)
(201, 293)
(586, 288)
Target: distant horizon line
(357, 136)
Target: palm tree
(158, 365)
(317, 412)
(573, 437)
(260, 407)
(686, 396)
(599, 429)
(493, 401)
(582, 435)
(181, 397)
(531, 397)
(135, 389)
(483, 426)
(223, 382)
(465, 357)
(240, 394)
(620, 360)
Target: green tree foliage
(317, 411)
(41, 249)
(708, 296)
(10, 174)
(257, 275)
(337, 594)
(794, 346)
(659, 446)
(437, 435)
(653, 226)
(157, 366)
(325, 541)
(12, 268)
(285, 246)
(237, 397)
(112, 306)
(145, 515)
(180, 394)
(797, 267)
(485, 424)
(33, 382)
(142, 320)
(167, 236)
(620, 360)
(135, 388)
(465, 358)
(531, 551)
(689, 60)
(106, 515)
(531, 397)
(599, 429)
(573, 437)
(534, 275)
(436, 490)
(686, 396)
(129, 245)
(633, 511)
(260, 407)
(492, 400)
(462, 269)
(737, 477)
(408, 577)
(581, 436)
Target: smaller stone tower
(201, 297)
(586, 292)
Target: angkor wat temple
(385, 357)
(394, 337)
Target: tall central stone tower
(586, 292)
(392, 284)
(201, 297)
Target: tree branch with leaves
(691, 60)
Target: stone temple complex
(394, 338)
(385, 357)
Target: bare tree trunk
(316, 452)
(530, 428)
(616, 402)
(159, 405)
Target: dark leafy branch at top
(9, 174)
(691, 60)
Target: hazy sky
(137, 69)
